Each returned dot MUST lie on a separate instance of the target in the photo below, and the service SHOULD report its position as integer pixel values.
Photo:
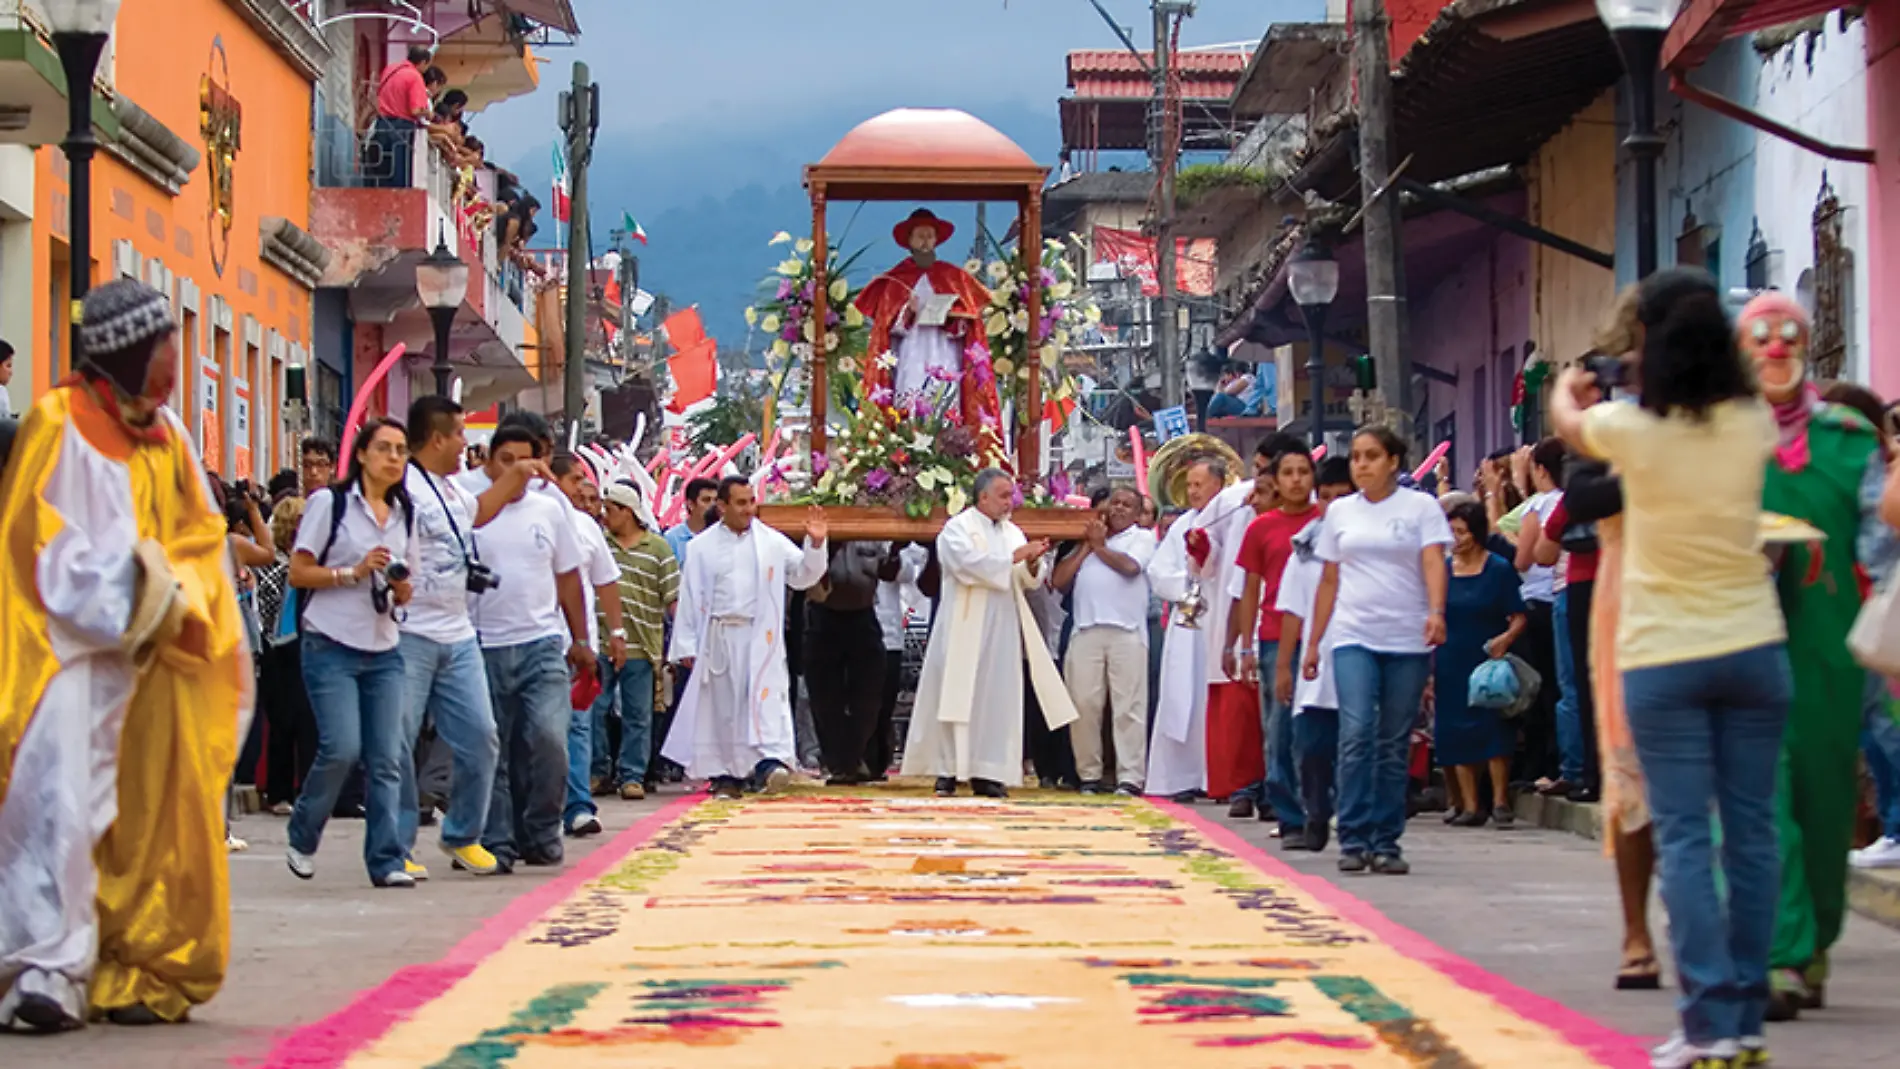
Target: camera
(396, 572)
(481, 578)
(1608, 371)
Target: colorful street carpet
(889, 930)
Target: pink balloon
(1319, 453)
(1079, 501)
(1432, 459)
(361, 403)
(1141, 460)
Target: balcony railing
(380, 158)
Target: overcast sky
(733, 68)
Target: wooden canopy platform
(876, 524)
(925, 154)
(920, 154)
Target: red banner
(1134, 253)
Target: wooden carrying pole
(1029, 446)
(820, 301)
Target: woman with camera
(1381, 608)
(1701, 645)
(352, 667)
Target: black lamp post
(442, 282)
(80, 31)
(1638, 27)
(1313, 277)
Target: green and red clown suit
(1828, 471)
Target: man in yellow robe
(124, 683)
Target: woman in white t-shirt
(352, 570)
(1381, 607)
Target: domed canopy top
(892, 154)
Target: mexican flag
(563, 202)
(632, 226)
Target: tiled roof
(1120, 75)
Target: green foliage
(1195, 181)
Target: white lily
(831, 340)
(1048, 353)
(791, 268)
(751, 316)
(927, 479)
(922, 442)
(955, 500)
(779, 238)
(811, 330)
(770, 323)
(1061, 290)
(852, 317)
(996, 324)
(998, 271)
(802, 246)
(839, 288)
(781, 348)
(887, 360)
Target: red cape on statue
(883, 303)
(1236, 757)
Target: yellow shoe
(415, 869)
(473, 858)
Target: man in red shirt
(402, 106)
(1262, 559)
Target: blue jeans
(1880, 741)
(1379, 696)
(528, 687)
(1708, 733)
(634, 685)
(356, 698)
(1570, 740)
(1281, 791)
(448, 684)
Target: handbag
(1494, 685)
(1874, 639)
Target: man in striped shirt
(649, 589)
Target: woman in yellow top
(1701, 645)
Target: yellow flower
(811, 330)
(802, 246)
(1048, 354)
(771, 324)
(853, 317)
(779, 238)
(1061, 290)
(839, 288)
(791, 268)
(781, 348)
(1093, 315)
(1061, 337)
(751, 316)
(996, 324)
(1005, 365)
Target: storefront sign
(220, 121)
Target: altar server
(734, 724)
(967, 721)
(125, 685)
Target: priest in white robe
(967, 723)
(1202, 544)
(734, 722)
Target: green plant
(1195, 181)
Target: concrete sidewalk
(1539, 908)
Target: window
(1833, 284)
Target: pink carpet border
(1613, 1049)
(328, 1043)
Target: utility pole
(1164, 137)
(580, 116)
(1385, 255)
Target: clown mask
(1774, 336)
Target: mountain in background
(710, 202)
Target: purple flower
(919, 408)
(805, 291)
(1048, 278)
(877, 481)
(881, 396)
(957, 441)
(832, 319)
(784, 288)
(789, 332)
(1016, 497)
(1060, 485)
(942, 374)
(820, 464)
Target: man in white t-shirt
(1539, 758)
(600, 585)
(526, 623)
(1314, 702)
(1107, 663)
(441, 658)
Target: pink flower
(820, 464)
(881, 396)
(784, 288)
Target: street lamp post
(1638, 27)
(442, 282)
(1313, 278)
(80, 30)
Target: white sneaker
(303, 866)
(1884, 853)
(1678, 1053)
(777, 780)
(397, 879)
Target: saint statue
(929, 315)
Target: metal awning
(554, 14)
(1485, 85)
(1702, 25)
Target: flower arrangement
(784, 314)
(1065, 308)
(913, 459)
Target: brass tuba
(1167, 481)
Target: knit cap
(114, 321)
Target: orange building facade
(205, 194)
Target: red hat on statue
(922, 217)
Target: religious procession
(1312, 579)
